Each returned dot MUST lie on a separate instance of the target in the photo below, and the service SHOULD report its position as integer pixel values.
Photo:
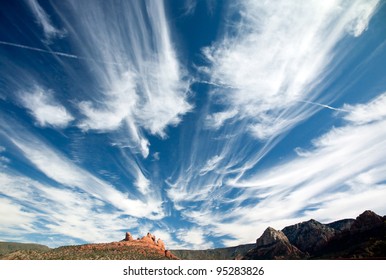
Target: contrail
(68, 55)
(214, 84)
(41, 50)
(323, 105)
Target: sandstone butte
(147, 242)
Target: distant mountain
(341, 225)
(9, 247)
(229, 253)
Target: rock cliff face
(273, 244)
(309, 236)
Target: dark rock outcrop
(368, 220)
(128, 237)
(273, 244)
(309, 236)
(365, 239)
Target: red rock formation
(128, 237)
(149, 240)
(161, 244)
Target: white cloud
(165, 236)
(367, 113)
(139, 83)
(45, 109)
(3, 160)
(216, 120)
(118, 105)
(361, 13)
(13, 216)
(44, 21)
(193, 238)
(278, 55)
(211, 164)
(142, 183)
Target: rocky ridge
(364, 237)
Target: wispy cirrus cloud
(189, 7)
(366, 113)
(12, 216)
(65, 214)
(50, 31)
(46, 110)
(140, 86)
(59, 168)
(276, 56)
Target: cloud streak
(44, 21)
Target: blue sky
(201, 121)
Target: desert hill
(9, 247)
(145, 248)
